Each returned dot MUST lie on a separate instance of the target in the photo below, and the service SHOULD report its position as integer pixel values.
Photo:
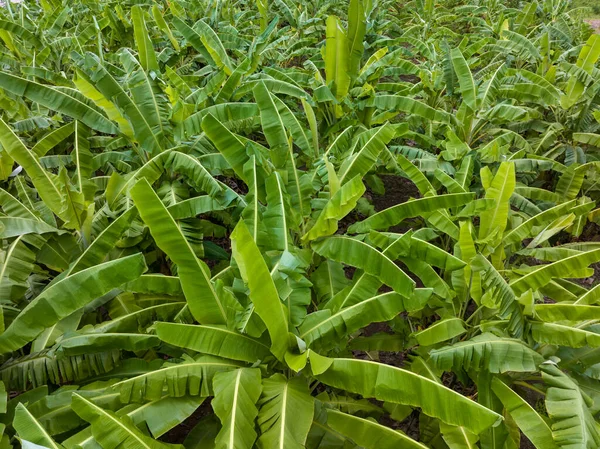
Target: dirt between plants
(595, 24)
(397, 190)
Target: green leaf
(465, 78)
(559, 334)
(371, 143)
(566, 312)
(572, 423)
(192, 376)
(414, 248)
(201, 295)
(87, 343)
(495, 354)
(340, 205)
(142, 40)
(66, 296)
(357, 27)
(111, 431)
(561, 269)
(276, 216)
(81, 155)
(387, 383)
(336, 57)
(104, 242)
(527, 418)
(440, 331)
(227, 143)
(369, 434)
(458, 437)
(395, 214)
(45, 183)
(263, 292)
(527, 228)
(500, 191)
(213, 340)
(113, 91)
(236, 395)
(383, 307)
(13, 227)
(272, 124)
(359, 254)
(408, 105)
(162, 24)
(58, 101)
(285, 414)
(28, 428)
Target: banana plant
(268, 224)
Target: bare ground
(595, 24)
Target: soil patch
(397, 190)
(594, 23)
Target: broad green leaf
(357, 27)
(66, 296)
(191, 376)
(573, 424)
(458, 437)
(560, 334)
(213, 340)
(440, 331)
(414, 248)
(13, 227)
(236, 395)
(383, 307)
(395, 214)
(263, 292)
(111, 431)
(488, 351)
(369, 434)
(113, 91)
(17, 264)
(46, 183)
(227, 143)
(104, 242)
(465, 78)
(28, 428)
(526, 229)
(527, 418)
(336, 57)
(142, 40)
(387, 383)
(201, 295)
(57, 100)
(213, 45)
(361, 255)
(285, 414)
(371, 144)
(340, 205)
(162, 24)
(408, 105)
(566, 312)
(272, 124)
(86, 343)
(562, 268)
(500, 191)
(276, 216)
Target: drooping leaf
(387, 383)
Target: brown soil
(525, 443)
(451, 381)
(595, 24)
(397, 190)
